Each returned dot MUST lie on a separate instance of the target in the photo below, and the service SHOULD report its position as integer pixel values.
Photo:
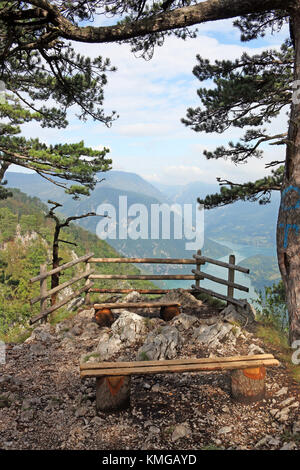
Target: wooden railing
(197, 275)
(45, 294)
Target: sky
(151, 97)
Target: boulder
(162, 343)
(213, 335)
(235, 314)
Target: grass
(211, 301)
(279, 339)
(16, 334)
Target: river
(241, 252)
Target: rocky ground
(45, 405)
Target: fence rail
(90, 275)
(46, 294)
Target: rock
(213, 335)
(76, 330)
(282, 391)
(184, 322)
(129, 327)
(255, 349)
(108, 345)
(154, 430)
(156, 388)
(273, 441)
(41, 333)
(180, 431)
(296, 428)
(132, 297)
(187, 300)
(81, 411)
(162, 343)
(288, 401)
(235, 314)
(68, 345)
(289, 446)
(225, 430)
(38, 349)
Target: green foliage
(271, 307)
(68, 162)
(26, 244)
(249, 93)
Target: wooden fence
(197, 275)
(45, 294)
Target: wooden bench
(104, 317)
(113, 378)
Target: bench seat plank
(202, 360)
(178, 368)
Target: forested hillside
(25, 243)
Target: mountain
(243, 222)
(116, 185)
(262, 268)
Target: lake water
(241, 252)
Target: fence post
(198, 268)
(43, 291)
(87, 294)
(230, 289)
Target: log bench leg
(168, 313)
(104, 317)
(248, 385)
(112, 393)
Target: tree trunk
(248, 385)
(112, 393)
(288, 225)
(55, 262)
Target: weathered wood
(146, 277)
(117, 305)
(171, 368)
(140, 291)
(198, 268)
(59, 288)
(143, 260)
(59, 305)
(87, 294)
(202, 275)
(168, 312)
(43, 290)
(236, 267)
(104, 317)
(61, 268)
(202, 360)
(112, 393)
(230, 288)
(248, 385)
(239, 303)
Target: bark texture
(112, 393)
(248, 385)
(210, 10)
(288, 226)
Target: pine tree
(249, 92)
(56, 163)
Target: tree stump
(104, 317)
(112, 393)
(248, 385)
(168, 313)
